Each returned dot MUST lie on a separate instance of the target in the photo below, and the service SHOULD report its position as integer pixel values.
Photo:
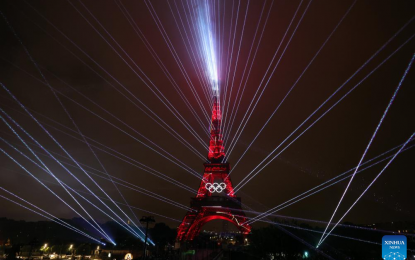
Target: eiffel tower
(215, 198)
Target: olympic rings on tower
(215, 187)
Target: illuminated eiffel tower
(215, 198)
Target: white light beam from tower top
(208, 47)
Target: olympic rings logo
(215, 187)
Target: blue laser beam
(250, 67)
(368, 187)
(96, 228)
(175, 55)
(292, 87)
(296, 237)
(297, 198)
(197, 53)
(84, 192)
(144, 78)
(102, 68)
(237, 135)
(241, 184)
(54, 219)
(49, 172)
(228, 59)
(370, 143)
(204, 24)
(140, 34)
(164, 100)
(316, 231)
(73, 122)
(121, 182)
(113, 152)
(196, 63)
(174, 160)
(68, 187)
(56, 142)
(225, 109)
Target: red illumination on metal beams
(188, 231)
(215, 198)
(216, 148)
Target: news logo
(394, 247)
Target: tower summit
(215, 198)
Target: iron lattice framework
(215, 198)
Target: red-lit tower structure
(215, 198)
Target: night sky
(49, 30)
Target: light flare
(207, 39)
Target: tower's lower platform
(207, 209)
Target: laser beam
(242, 183)
(368, 187)
(321, 186)
(54, 219)
(370, 142)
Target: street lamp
(71, 250)
(146, 220)
(44, 248)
